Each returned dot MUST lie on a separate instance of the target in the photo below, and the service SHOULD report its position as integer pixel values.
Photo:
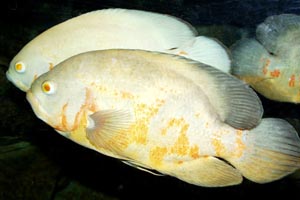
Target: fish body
(270, 62)
(166, 113)
(109, 29)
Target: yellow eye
(48, 87)
(20, 67)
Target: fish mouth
(37, 109)
(17, 83)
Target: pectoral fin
(209, 172)
(107, 129)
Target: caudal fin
(205, 50)
(272, 151)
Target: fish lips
(17, 83)
(37, 108)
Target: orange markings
(181, 145)
(292, 81)
(157, 154)
(183, 53)
(275, 73)
(51, 66)
(179, 162)
(240, 144)
(88, 104)
(218, 146)
(266, 66)
(194, 152)
(89, 101)
(64, 121)
(126, 95)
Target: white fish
(166, 113)
(108, 29)
(270, 62)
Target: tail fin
(207, 51)
(272, 151)
(248, 58)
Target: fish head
(59, 99)
(26, 66)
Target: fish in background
(163, 112)
(270, 62)
(108, 29)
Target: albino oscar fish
(166, 113)
(110, 29)
(270, 63)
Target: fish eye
(48, 87)
(20, 67)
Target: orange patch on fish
(181, 145)
(88, 104)
(139, 130)
(292, 81)
(240, 144)
(157, 154)
(194, 152)
(218, 145)
(275, 73)
(51, 66)
(126, 95)
(183, 53)
(64, 122)
(179, 162)
(266, 66)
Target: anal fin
(141, 167)
(208, 172)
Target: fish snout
(19, 84)
(37, 108)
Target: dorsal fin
(236, 103)
(278, 33)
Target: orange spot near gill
(87, 105)
(64, 121)
(266, 66)
(292, 81)
(275, 73)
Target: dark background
(37, 163)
